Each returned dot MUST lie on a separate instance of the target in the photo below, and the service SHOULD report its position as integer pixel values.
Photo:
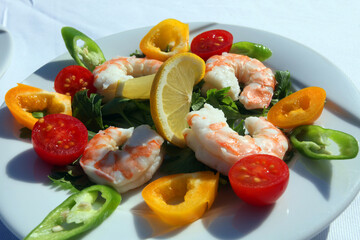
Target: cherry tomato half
(59, 139)
(74, 78)
(213, 42)
(259, 179)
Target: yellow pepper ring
(180, 199)
(23, 100)
(166, 39)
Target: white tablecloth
(331, 27)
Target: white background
(332, 28)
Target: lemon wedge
(171, 92)
(136, 88)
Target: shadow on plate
(322, 235)
(28, 167)
(318, 172)
(228, 218)
(149, 225)
(51, 69)
(198, 30)
(231, 218)
(9, 128)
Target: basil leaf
(180, 160)
(125, 113)
(283, 87)
(88, 110)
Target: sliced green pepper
(319, 143)
(250, 49)
(77, 214)
(89, 55)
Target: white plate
(318, 191)
(5, 50)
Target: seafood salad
(178, 120)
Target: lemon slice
(170, 96)
(136, 88)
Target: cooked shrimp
(110, 76)
(219, 147)
(228, 70)
(129, 167)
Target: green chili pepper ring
(253, 50)
(91, 53)
(77, 214)
(315, 142)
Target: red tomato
(213, 42)
(59, 139)
(74, 78)
(259, 179)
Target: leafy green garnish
(88, 110)
(220, 99)
(91, 135)
(283, 87)
(125, 113)
(25, 133)
(197, 101)
(137, 54)
(38, 114)
(180, 160)
(70, 177)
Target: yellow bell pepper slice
(166, 39)
(183, 198)
(23, 100)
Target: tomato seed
(256, 179)
(67, 80)
(73, 77)
(245, 176)
(243, 168)
(66, 85)
(41, 120)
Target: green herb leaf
(91, 135)
(221, 100)
(137, 54)
(180, 160)
(25, 133)
(283, 87)
(197, 101)
(70, 177)
(88, 110)
(122, 112)
(38, 114)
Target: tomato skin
(259, 179)
(59, 139)
(74, 78)
(303, 107)
(213, 42)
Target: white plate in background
(5, 50)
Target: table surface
(331, 28)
